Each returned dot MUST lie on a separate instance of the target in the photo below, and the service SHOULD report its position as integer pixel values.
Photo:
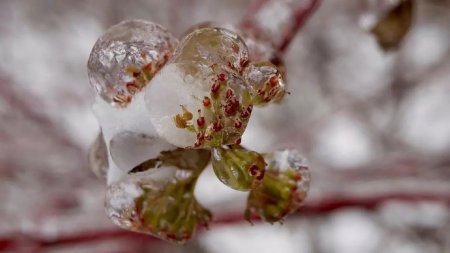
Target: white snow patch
(169, 90)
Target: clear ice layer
(199, 96)
(126, 57)
(265, 81)
(157, 197)
(129, 127)
(129, 149)
(200, 99)
(238, 168)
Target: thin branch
(20, 103)
(314, 207)
(299, 15)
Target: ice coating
(120, 199)
(98, 157)
(115, 123)
(163, 209)
(196, 106)
(120, 203)
(126, 57)
(266, 82)
(200, 99)
(129, 149)
(237, 167)
(259, 49)
(212, 45)
(283, 189)
(157, 197)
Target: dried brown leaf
(393, 27)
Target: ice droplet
(200, 99)
(126, 57)
(266, 82)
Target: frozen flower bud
(283, 189)
(199, 99)
(157, 198)
(237, 167)
(126, 57)
(266, 82)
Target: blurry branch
(301, 15)
(271, 28)
(400, 181)
(35, 243)
(314, 207)
(27, 106)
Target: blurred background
(373, 124)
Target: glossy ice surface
(200, 99)
(157, 197)
(126, 57)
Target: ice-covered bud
(126, 57)
(157, 197)
(237, 167)
(266, 82)
(283, 189)
(167, 210)
(199, 99)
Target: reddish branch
(26, 105)
(300, 14)
(19, 241)
(314, 207)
